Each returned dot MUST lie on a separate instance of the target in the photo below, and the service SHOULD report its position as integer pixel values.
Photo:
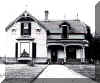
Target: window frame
(65, 29)
(23, 28)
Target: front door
(71, 54)
(54, 56)
(25, 49)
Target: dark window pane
(29, 25)
(33, 50)
(22, 28)
(25, 28)
(64, 32)
(16, 50)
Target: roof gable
(25, 16)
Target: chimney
(46, 15)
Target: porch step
(9, 60)
(40, 60)
(73, 61)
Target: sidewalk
(61, 74)
(59, 71)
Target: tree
(90, 52)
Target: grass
(22, 73)
(86, 70)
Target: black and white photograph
(50, 41)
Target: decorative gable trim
(25, 16)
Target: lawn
(22, 73)
(86, 70)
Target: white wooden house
(42, 41)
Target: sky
(58, 9)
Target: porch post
(83, 55)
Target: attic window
(25, 25)
(26, 28)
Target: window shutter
(16, 50)
(22, 28)
(29, 25)
(33, 50)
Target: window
(64, 32)
(25, 25)
(33, 50)
(26, 28)
(65, 29)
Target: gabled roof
(25, 16)
(76, 26)
(52, 26)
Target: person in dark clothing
(24, 54)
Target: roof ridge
(58, 20)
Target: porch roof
(68, 41)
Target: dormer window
(65, 29)
(25, 28)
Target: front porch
(67, 52)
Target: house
(46, 41)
